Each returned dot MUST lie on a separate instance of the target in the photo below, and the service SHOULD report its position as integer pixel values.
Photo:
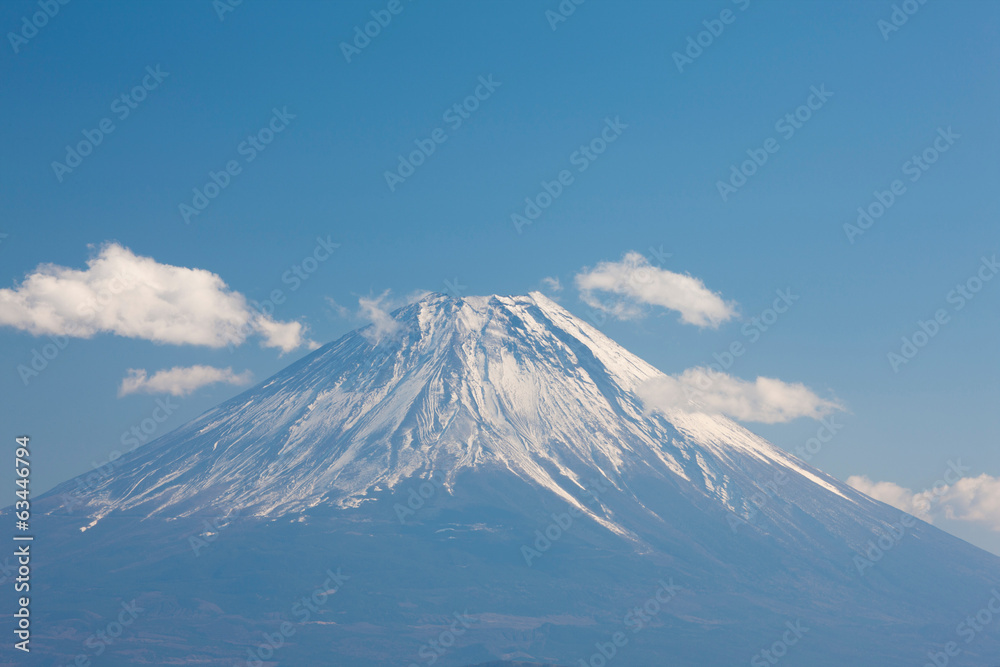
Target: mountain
(477, 480)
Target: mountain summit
(495, 383)
(484, 471)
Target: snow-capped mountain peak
(514, 384)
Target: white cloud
(376, 310)
(180, 381)
(284, 335)
(336, 308)
(634, 281)
(972, 499)
(917, 504)
(975, 499)
(137, 297)
(766, 400)
(552, 284)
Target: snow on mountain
(519, 413)
(488, 383)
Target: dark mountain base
(451, 591)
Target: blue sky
(888, 95)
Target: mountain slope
(476, 383)
(490, 457)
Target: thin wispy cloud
(972, 499)
(132, 296)
(180, 380)
(552, 284)
(765, 400)
(337, 309)
(376, 310)
(624, 289)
